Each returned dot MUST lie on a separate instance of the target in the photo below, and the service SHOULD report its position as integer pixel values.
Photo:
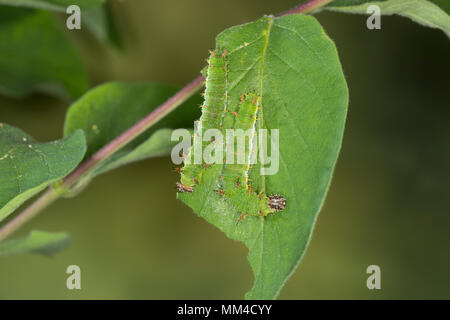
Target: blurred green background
(389, 202)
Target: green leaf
(110, 109)
(96, 15)
(54, 5)
(35, 55)
(100, 22)
(443, 4)
(41, 242)
(292, 64)
(421, 11)
(27, 166)
(346, 3)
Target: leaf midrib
(260, 125)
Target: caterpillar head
(277, 202)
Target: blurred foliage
(388, 203)
(36, 56)
(54, 5)
(421, 11)
(37, 242)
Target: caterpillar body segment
(213, 108)
(218, 112)
(235, 183)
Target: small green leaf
(27, 166)
(101, 24)
(294, 67)
(54, 5)
(110, 109)
(427, 13)
(35, 55)
(96, 15)
(41, 242)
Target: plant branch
(52, 194)
(140, 127)
(306, 7)
(29, 213)
(163, 110)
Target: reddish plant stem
(140, 127)
(306, 7)
(29, 213)
(51, 194)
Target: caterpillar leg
(179, 170)
(221, 192)
(184, 188)
(241, 217)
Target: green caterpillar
(235, 186)
(211, 118)
(217, 114)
